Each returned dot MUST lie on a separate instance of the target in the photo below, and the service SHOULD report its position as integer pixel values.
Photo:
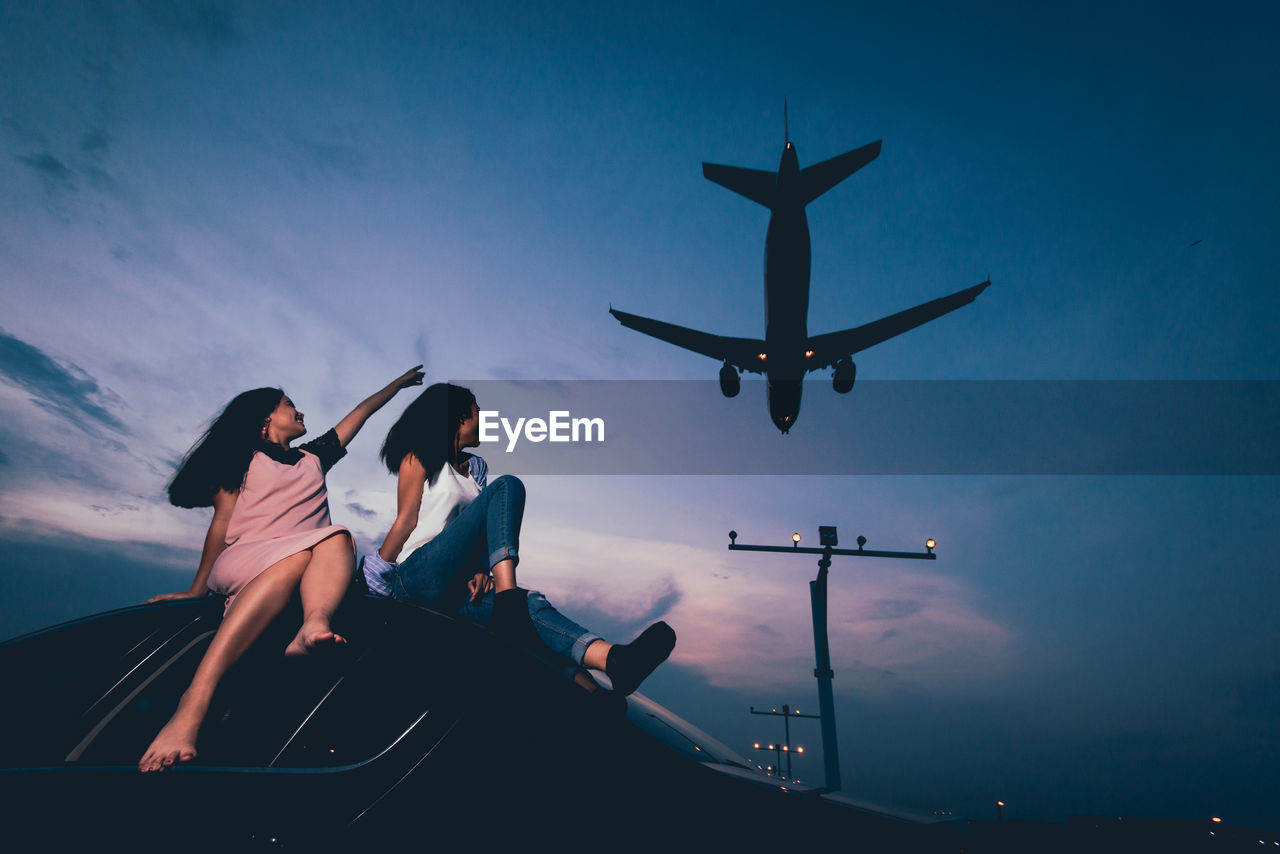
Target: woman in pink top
(270, 536)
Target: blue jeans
(556, 631)
(486, 532)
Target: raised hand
(413, 376)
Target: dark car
(422, 729)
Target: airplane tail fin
(757, 185)
(820, 177)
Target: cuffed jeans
(556, 631)
(486, 532)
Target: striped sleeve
(479, 471)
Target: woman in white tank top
(456, 539)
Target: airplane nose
(784, 403)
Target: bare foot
(310, 636)
(176, 742)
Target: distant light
(999, 803)
(757, 747)
(808, 354)
(1216, 820)
(762, 356)
(795, 541)
(930, 544)
(785, 748)
(799, 750)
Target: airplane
(787, 351)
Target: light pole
(786, 714)
(818, 599)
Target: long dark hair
(428, 427)
(220, 458)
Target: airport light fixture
(828, 539)
(780, 749)
(786, 714)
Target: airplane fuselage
(787, 352)
(787, 261)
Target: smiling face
(284, 424)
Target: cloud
(902, 626)
(47, 575)
(362, 511)
(95, 143)
(23, 134)
(205, 22)
(55, 174)
(893, 609)
(335, 159)
(68, 392)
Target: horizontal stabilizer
(820, 177)
(755, 184)
(836, 345)
(742, 353)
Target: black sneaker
(629, 664)
(510, 620)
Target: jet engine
(730, 382)
(842, 379)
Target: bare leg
(261, 600)
(324, 582)
(597, 654)
(504, 575)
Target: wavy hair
(428, 427)
(220, 458)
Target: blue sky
(205, 197)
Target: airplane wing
(820, 177)
(742, 353)
(836, 345)
(757, 185)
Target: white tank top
(444, 496)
